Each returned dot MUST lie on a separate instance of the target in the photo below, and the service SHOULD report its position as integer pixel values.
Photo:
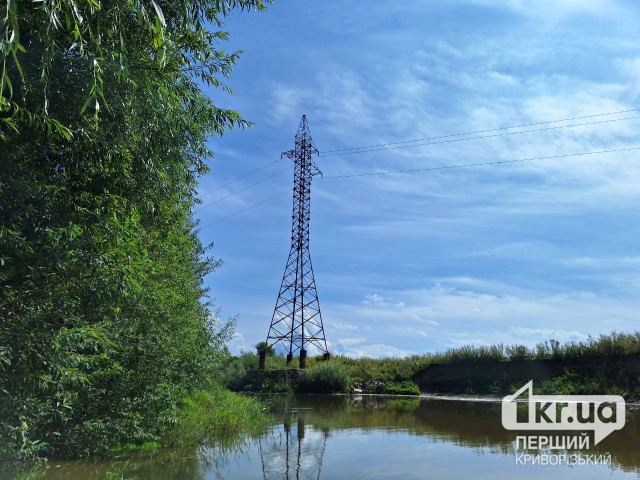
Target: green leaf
(159, 13)
(86, 104)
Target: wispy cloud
(420, 261)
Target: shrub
(213, 416)
(518, 352)
(264, 346)
(403, 388)
(324, 377)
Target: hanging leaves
(175, 39)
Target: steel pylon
(297, 320)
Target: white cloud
(343, 326)
(456, 313)
(601, 263)
(239, 344)
(538, 333)
(377, 350)
(375, 299)
(351, 341)
(552, 9)
(336, 96)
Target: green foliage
(213, 416)
(383, 369)
(116, 472)
(339, 373)
(518, 353)
(393, 369)
(572, 382)
(107, 41)
(34, 473)
(496, 387)
(471, 354)
(240, 374)
(134, 447)
(324, 377)
(403, 388)
(104, 322)
(264, 346)
(275, 385)
(235, 370)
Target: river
(369, 437)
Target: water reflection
(295, 453)
(333, 437)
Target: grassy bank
(211, 417)
(397, 375)
(207, 417)
(215, 416)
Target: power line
(243, 189)
(414, 170)
(244, 209)
(329, 153)
(401, 144)
(482, 136)
(482, 131)
(239, 178)
(496, 162)
(406, 146)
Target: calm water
(334, 437)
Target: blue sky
(411, 263)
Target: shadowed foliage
(104, 323)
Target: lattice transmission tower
(297, 320)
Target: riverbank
(609, 364)
(357, 436)
(212, 417)
(215, 417)
(488, 398)
(631, 405)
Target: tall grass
(116, 471)
(215, 416)
(324, 377)
(340, 372)
(34, 473)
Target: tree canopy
(104, 323)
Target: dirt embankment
(613, 372)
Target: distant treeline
(603, 346)
(575, 369)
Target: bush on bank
(342, 374)
(213, 416)
(324, 377)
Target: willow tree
(104, 323)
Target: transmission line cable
(244, 210)
(401, 144)
(414, 170)
(239, 178)
(482, 131)
(243, 189)
(329, 153)
(481, 137)
(479, 164)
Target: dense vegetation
(396, 375)
(104, 325)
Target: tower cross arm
(313, 169)
(289, 154)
